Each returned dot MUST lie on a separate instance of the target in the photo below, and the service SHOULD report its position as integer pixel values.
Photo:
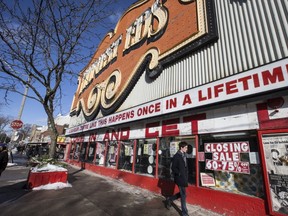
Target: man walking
(3, 158)
(180, 173)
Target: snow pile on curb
(54, 186)
(48, 168)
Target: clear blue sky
(33, 112)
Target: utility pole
(24, 98)
(20, 112)
(22, 105)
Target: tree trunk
(53, 132)
(52, 148)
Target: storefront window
(230, 162)
(77, 152)
(112, 151)
(276, 156)
(83, 151)
(126, 155)
(91, 152)
(146, 157)
(100, 153)
(72, 151)
(168, 147)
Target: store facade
(215, 76)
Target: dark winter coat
(3, 160)
(179, 170)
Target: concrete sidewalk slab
(90, 194)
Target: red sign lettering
(148, 133)
(170, 127)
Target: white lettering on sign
(142, 28)
(100, 63)
(266, 78)
(227, 147)
(144, 25)
(226, 156)
(229, 166)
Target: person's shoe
(168, 203)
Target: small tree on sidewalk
(41, 44)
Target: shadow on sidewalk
(72, 176)
(11, 193)
(167, 189)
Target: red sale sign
(230, 166)
(226, 156)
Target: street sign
(16, 124)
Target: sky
(33, 112)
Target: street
(90, 194)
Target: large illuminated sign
(149, 36)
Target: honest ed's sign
(150, 34)
(259, 80)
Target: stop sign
(16, 124)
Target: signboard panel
(276, 158)
(150, 35)
(207, 179)
(259, 80)
(226, 156)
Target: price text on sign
(230, 166)
(16, 124)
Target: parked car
(36, 149)
(60, 151)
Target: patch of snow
(11, 164)
(48, 168)
(14, 150)
(54, 186)
(17, 180)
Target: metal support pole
(24, 98)
(22, 105)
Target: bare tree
(4, 122)
(43, 42)
(26, 130)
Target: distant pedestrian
(3, 158)
(180, 172)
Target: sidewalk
(90, 194)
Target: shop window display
(91, 152)
(72, 151)
(168, 147)
(230, 162)
(146, 157)
(100, 153)
(276, 158)
(112, 151)
(83, 151)
(76, 152)
(126, 155)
